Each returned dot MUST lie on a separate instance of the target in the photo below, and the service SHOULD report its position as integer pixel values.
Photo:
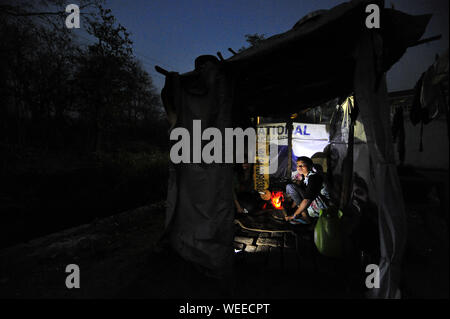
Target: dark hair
(307, 161)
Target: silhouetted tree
(56, 91)
(253, 39)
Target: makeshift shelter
(327, 54)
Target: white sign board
(307, 139)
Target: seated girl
(308, 193)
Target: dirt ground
(117, 260)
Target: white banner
(307, 139)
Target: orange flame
(277, 199)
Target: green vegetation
(83, 134)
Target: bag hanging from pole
(328, 232)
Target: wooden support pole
(161, 70)
(232, 51)
(289, 128)
(426, 40)
(220, 56)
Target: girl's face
(301, 168)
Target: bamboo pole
(289, 128)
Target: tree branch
(15, 11)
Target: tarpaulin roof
(314, 61)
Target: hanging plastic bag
(328, 232)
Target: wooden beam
(161, 70)
(232, 51)
(220, 56)
(289, 128)
(426, 40)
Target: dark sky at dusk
(173, 33)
